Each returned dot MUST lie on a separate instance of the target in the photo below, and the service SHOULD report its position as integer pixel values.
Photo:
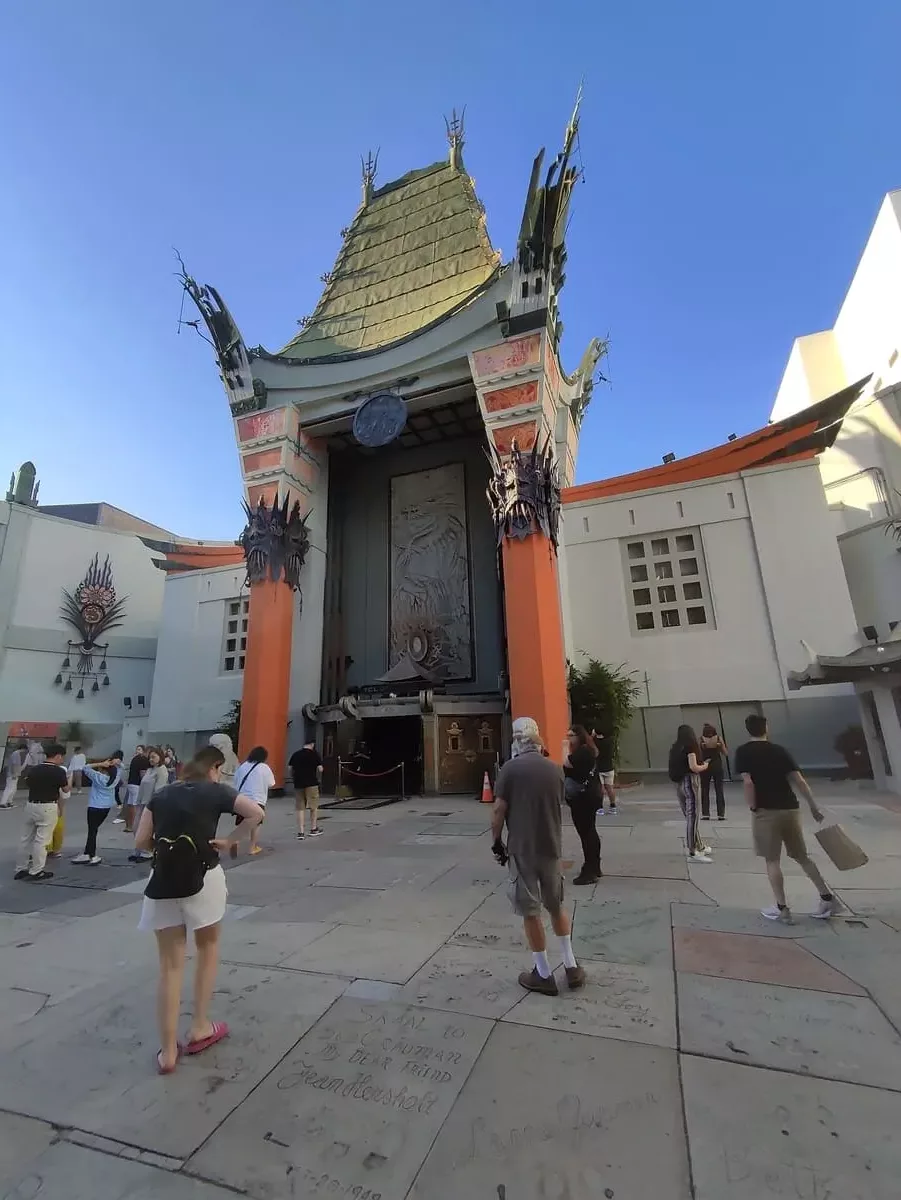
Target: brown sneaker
(575, 977)
(533, 982)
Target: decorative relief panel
(430, 611)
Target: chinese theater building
(402, 459)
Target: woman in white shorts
(186, 893)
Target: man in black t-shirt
(306, 772)
(605, 769)
(48, 783)
(771, 779)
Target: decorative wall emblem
(92, 611)
(275, 541)
(380, 419)
(524, 493)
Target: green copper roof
(415, 252)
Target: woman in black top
(186, 892)
(685, 766)
(713, 753)
(583, 796)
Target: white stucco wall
(41, 556)
(190, 692)
(872, 562)
(775, 577)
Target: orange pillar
(535, 655)
(267, 672)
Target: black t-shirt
(605, 753)
(305, 766)
(44, 783)
(678, 762)
(769, 766)
(138, 765)
(194, 809)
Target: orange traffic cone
(487, 794)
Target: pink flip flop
(220, 1031)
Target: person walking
(104, 777)
(713, 753)
(685, 766)
(583, 795)
(772, 779)
(306, 773)
(187, 894)
(606, 769)
(136, 768)
(15, 761)
(254, 778)
(48, 783)
(77, 764)
(528, 799)
(154, 778)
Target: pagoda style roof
(805, 434)
(884, 658)
(417, 251)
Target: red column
(535, 655)
(267, 672)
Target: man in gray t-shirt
(528, 798)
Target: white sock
(542, 966)
(566, 947)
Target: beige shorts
(534, 885)
(306, 797)
(194, 912)
(774, 828)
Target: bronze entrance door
(467, 748)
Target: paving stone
(267, 944)
(814, 1033)
(471, 979)
(743, 920)
(313, 904)
(493, 925)
(356, 953)
(375, 873)
(562, 1116)
(736, 889)
(22, 1139)
(400, 908)
(624, 931)
(646, 891)
(357, 1104)
(373, 989)
(97, 1072)
(755, 1133)
(758, 959)
(89, 903)
(69, 1172)
(466, 829)
(647, 866)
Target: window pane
(230, 643)
(660, 546)
(641, 595)
(234, 608)
(243, 645)
(663, 570)
(669, 618)
(696, 616)
(667, 594)
(233, 627)
(685, 541)
(241, 662)
(639, 574)
(635, 549)
(688, 566)
(644, 620)
(691, 591)
(244, 625)
(229, 664)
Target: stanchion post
(403, 789)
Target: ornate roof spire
(370, 165)
(455, 135)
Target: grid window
(234, 635)
(677, 595)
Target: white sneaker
(95, 860)
(826, 909)
(118, 820)
(775, 913)
(706, 849)
(699, 858)
(81, 858)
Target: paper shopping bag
(845, 853)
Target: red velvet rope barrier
(376, 775)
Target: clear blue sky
(735, 156)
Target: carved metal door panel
(467, 747)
